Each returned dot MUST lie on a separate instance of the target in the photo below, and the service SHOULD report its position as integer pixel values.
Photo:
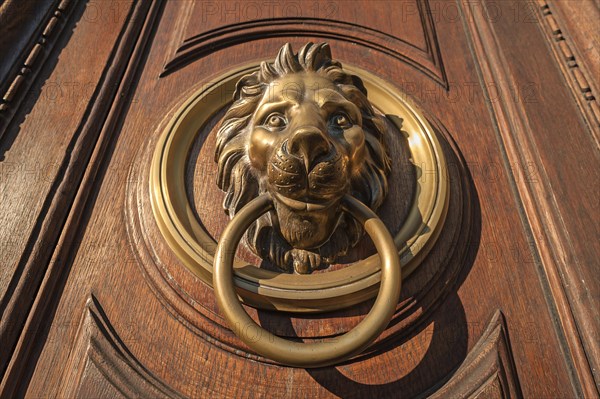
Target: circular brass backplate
(262, 288)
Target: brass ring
(315, 354)
(195, 247)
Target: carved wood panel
(407, 33)
(95, 304)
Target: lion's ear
(356, 81)
(247, 86)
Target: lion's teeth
(315, 207)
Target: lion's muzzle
(307, 180)
(324, 179)
(308, 143)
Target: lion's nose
(308, 143)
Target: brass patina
(195, 247)
(314, 354)
(300, 153)
(302, 130)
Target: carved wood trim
(575, 73)
(426, 60)
(47, 264)
(489, 369)
(541, 212)
(21, 24)
(192, 308)
(32, 61)
(98, 346)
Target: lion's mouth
(304, 206)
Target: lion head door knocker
(303, 156)
(302, 131)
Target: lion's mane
(241, 182)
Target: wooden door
(95, 303)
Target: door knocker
(302, 130)
(302, 157)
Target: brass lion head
(303, 130)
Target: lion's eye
(341, 120)
(276, 121)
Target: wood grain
(576, 53)
(519, 238)
(413, 41)
(48, 171)
(549, 228)
(100, 366)
(18, 303)
(30, 33)
(488, 371)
